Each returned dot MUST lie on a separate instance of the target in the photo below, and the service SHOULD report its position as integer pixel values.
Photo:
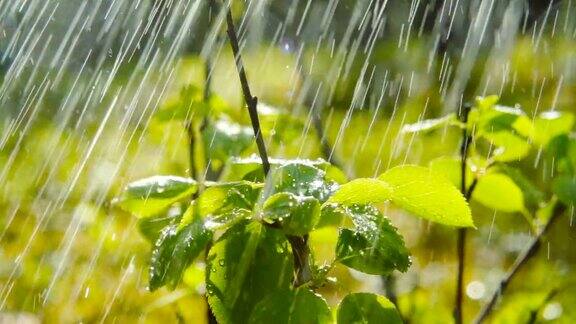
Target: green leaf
(251, 168)
(450, 168)
(426, 194)
(565, 188)
(303, 180)
(292, 306)
(332, 214)
(246, 263)
(561, 154)
(362, 191)
(367, 308)
(174, 251)
(373, 245)
(533, 196)
(152, 227)
(221, 205)
(509, 147)
(298, 215)
(550, 124)
(150, 196)
(499, 192)
(428, 125)
(224, 139)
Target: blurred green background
(77, 125)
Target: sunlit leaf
(499, 192)
(550, 124)
(174, 250)
(367, 308)
(362, 191)
(247, 263)
(508, 147)
(426, 194)
(153, 195)
(297, 214)
(450, 167)
(292, 306)
(373, 245)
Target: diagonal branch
(251, 101)
(520, 262)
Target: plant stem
(461, 242)
(299, 244)
(520, 262)
(251, 101)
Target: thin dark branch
(251, 101)
(519, 263)
(299, 244)
(461, 242)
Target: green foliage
(174, 251)
(247, 263)
(425, 194)
(362, 191)
(292, 306)
(565, 188)
(373, 245)
(153, 195)
(224, 138)
(260, 269)
(297, 214)
(499, 192)
(367, 308)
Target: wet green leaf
(251, 168)
(150, 196)
(426, 194)
(362, 191)
(298, 215)
(222, 204)
(373, 246)
(151, 227)
(244, 266)
(303, 180)
(292, 306)
(367, 308)
(174, 251)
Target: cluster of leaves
(244, 222)
(250, 265)
(501, 137)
